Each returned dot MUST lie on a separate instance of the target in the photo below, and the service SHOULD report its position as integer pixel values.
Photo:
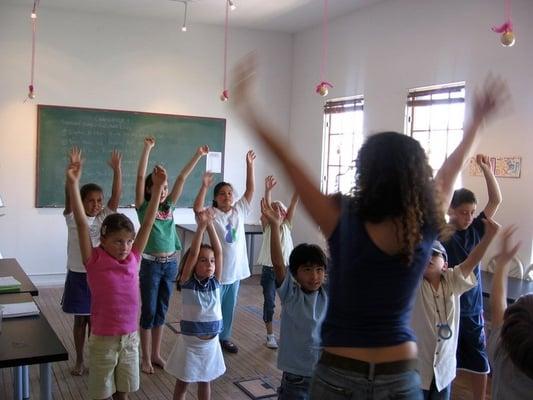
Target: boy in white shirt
(436, 314)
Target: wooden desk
(25, 341)
(515, 287)
(249, 230)
(11, 267)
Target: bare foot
(77, 370)
(158, 362)
(147, 367)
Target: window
(343, 136)
(434, 117)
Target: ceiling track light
(232, 5)
(184, 26)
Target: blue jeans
(294, 387)
(157, 283)
(434, 394)
(228, 301)
(338, 384)
(268, 282)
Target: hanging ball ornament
(224, 96)
(507, 39)
(322, 88)
(31, 93)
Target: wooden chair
(517, 268)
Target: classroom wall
(383, 50)
(115, 62)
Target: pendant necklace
(444, 331)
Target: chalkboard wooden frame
(177, 137)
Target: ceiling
(274, 15)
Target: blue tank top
(371, 294)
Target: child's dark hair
(148, 183)
(88, 188)
(462, 196)
(395, 181)
(306, 254)
(116, 222)
(516, 334)
(184, 260)
(218, 188)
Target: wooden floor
(253, 360)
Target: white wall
(383, 50)
(114, 62)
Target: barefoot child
(159, 262)
(303, 308)
(229, 224)
(112, 274)
(436, 314)
(267, 274)
(76, 295)
(197, 356)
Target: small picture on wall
(502, 167)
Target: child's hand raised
(491, 227)
(207, 179)
(74, 171)
(202, 150)
(159, 176)
(74, 155)
(273, 217)
(270, 182)
(149, 142)
(490, 99)
(250, 157)
(115, 160)
(483, 161)
(203, 217)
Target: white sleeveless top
(286, 245)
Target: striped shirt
(201, 313)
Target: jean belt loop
(371, 371)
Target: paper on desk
(214, 162)
(12, 310)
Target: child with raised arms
(112, 274)
(303, 307)
(159, 261)
(76, 295)
(510, 344)
(437, 310)
(197, 356)
(380, 239)
(229, 225)
(267, 273)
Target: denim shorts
(157, 283)
(294, 387)
(471, 347)
(335, 383)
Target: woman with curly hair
(380, 240)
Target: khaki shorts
(113, 365)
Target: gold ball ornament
(31, 95)
(223, 98)
(323, 90)
(507, 39)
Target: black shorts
(471, 347)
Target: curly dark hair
(395, 181)
(516, 334)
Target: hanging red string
(224, 96)
(506, 29)
(322, 87)
(33, 18)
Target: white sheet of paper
(214, 162)
(12, 310)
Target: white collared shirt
(437, 356)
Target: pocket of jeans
(321, 389)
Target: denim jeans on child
(338, 384)
(294, 387)
(268, 282)
(157, 283)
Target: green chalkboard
(97, 132)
